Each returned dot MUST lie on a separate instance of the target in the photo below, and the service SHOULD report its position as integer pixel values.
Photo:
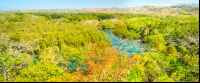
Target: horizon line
(102, 8)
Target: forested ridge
(70, 47)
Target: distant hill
(191, 10)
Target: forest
(71, 47)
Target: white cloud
(155, 4)
(177, 1)
(180, 1)
(168, 5)
(71, 6)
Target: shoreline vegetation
(70, 47)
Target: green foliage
(41, 72)
(183, 50)
(132, 77)
(71, 54)
(181, 13)
(10, 62)
(173, 12)
(103, 24)
(64, 40)
(156, 41)
(171, 49)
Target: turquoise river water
(129, 47)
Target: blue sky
(80, 4)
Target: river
(129, 47)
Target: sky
(81, 4)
